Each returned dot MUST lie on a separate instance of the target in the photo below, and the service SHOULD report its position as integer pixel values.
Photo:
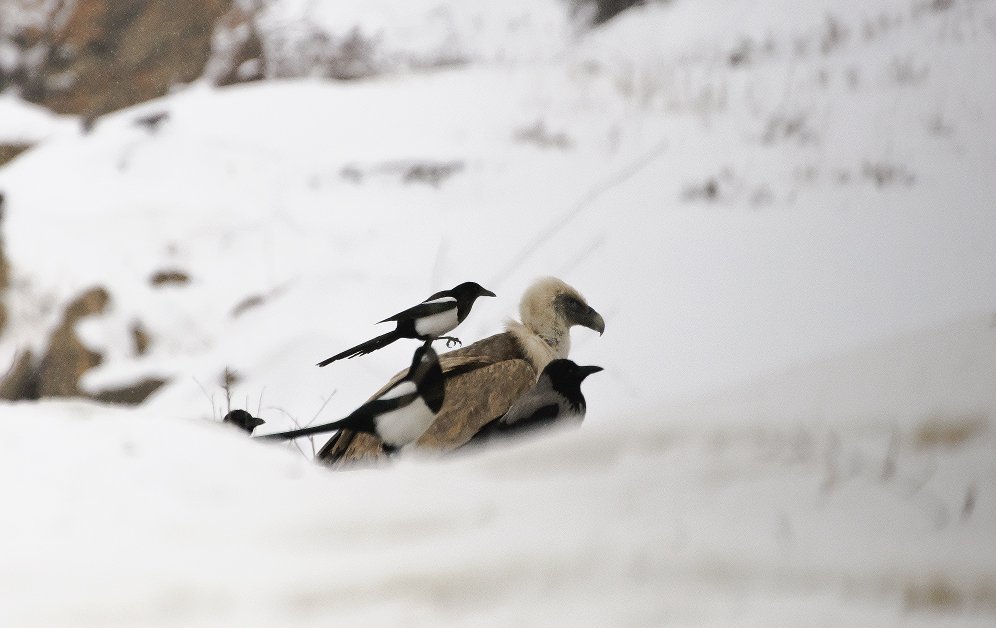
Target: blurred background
(785, 214)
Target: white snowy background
(785, 213)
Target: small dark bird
(555, 398)
(428, 320)
(243, 420)
(400, 414)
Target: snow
(784, 214)
(23, 123)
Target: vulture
(484, 379)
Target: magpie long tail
(371, 345)
(304, 431)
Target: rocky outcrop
(91, 57)
(66, 359)
(4, 269)
(9, 151)
(97, 56)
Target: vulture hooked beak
(592, 320)
(576, 312)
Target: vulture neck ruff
(544, 334)
(538, 351)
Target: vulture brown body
(482, 381)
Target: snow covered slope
(742, 189)
(134, 518)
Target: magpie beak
(243, 420)
(429, 320)
(555, 398)
(397, 416)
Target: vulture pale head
(548, 309)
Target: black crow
(244, 420)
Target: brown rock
(20, 382)
(249, 53)
(9, 151)
(168, 277)
(4, 266)
(67, 358)
(130, 395)
(110, 54)
(58, 373)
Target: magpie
(428, 320)
(243, 420)
(400, 414)
(556, 397)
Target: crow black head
(243, 420)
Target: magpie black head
(427, 375)
(471, 290)
(465, 295)
(243, 420)
(576, 312)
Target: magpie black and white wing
(429, 307)
(363, 419)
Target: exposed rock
(130, 395)
(21, 381)
(167, 277)
(67, 358)
(9, 151)
(109, 54)
(140, 338)
(248, 61)
(91, 57)
(4, 269)
(58, 373)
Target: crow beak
(593, 320)
(588, 370)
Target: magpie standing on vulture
(555, 398)
(397, 415)
(428, 320)
(484, 379)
